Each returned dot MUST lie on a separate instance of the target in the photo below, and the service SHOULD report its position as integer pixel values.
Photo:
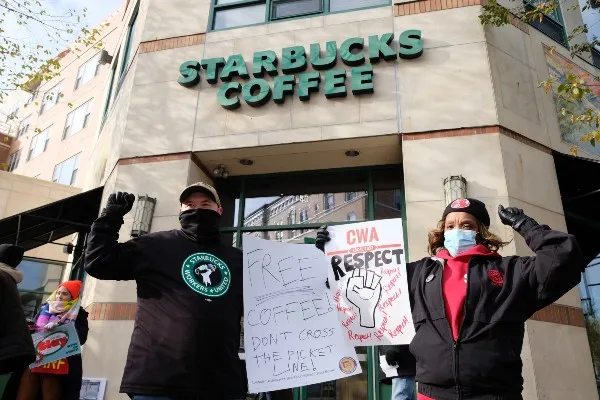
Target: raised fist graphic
(364, 291)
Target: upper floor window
(66, 172)
(51, 97)
(77, 119)
(23, 127)
(551, 25)
(88, 71)
(234, 13)
(328, 201)
(348, 196)
(13, 160)
(39, 144)
(14, 110)
(128, 46)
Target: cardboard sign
(367, 276)
(292, 334)
(61, 342)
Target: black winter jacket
(16, 348)
(502, 293)
(186, 335)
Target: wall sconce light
(142, 219)
(221, 172)
(455, 187)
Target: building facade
(305, 113)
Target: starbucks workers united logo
(206, 274)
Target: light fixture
(455, 187)
(142, 219)
(221, 172)
(246, 161)
(352, 153)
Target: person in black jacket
(186, 335)
(469, 304)
(16, 345)
(403, 384)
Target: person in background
(469, 304)
(62, 307)
(16, 347)
(403, 385)
(186, 337)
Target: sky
(34, 34)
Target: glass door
(291, 208)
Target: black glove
(322, 238)
(119, 203)
(392, 356)
(513, 217)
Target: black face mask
(200, 223)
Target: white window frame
(58, 170)
(23, 126)
(51, 97)
(45, 134)
(84, 73)
(13, 160)
(70, 129)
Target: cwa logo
(52, 343)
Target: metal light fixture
(142, 219)
(455, 187)
(352, 153)
(221, 172)
(246, 162)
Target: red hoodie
(454, 287)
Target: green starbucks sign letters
(293, 79)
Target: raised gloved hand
(513, 217)
(322, 238)
(119, 203)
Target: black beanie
(472, 206)
(11, 255)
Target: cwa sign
(294, 80)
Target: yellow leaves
(573, 150)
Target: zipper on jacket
(456, 346)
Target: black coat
(16, 348)
(186, 336)
(502, 293)
(401, 356)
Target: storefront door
(291, 208)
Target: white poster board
(292, 334)
(367, 276)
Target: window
(13, 111)
(40, 279)
(304, 215)
(351, 216)
(291, 217)
(107, 103)
(13, 160)
(39, 144)
(551, 25)
(88, 71)
(77, 119)
(234, 13)
(51, 98)
(128, 45)
(66, 172)
(23, 127)
(328, 201)
(349, 196)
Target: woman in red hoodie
(469, 304)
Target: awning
(579, 182)
(46, 224)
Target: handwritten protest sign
(292, 334)
(60, 342)
(367, 276)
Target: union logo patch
(206, 274)
(460, 203)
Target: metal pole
(18, 230)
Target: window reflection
(589, 291)
(351, 388)
(40, 279)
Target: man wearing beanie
(186, 336)
(469, 304)
(16, 349)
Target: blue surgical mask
(458, 241)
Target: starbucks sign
(293, 80)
